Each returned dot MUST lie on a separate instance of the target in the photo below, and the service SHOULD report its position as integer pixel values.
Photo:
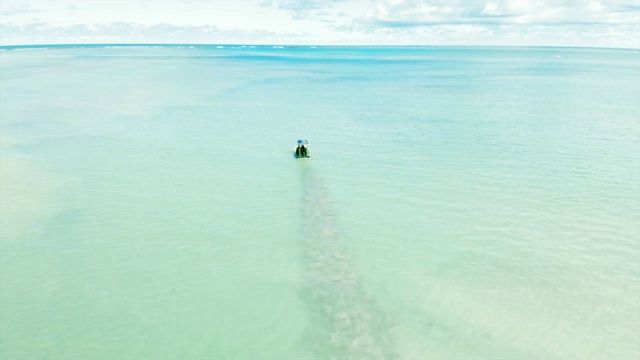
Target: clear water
(459, 203)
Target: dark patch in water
(346, 322)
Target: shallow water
(459, 203)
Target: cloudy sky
(599, 23)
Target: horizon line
(81, 45)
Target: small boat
(302, 151)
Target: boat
(302, 150)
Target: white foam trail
(348, 325)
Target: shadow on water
(346, 322)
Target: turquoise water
(459, 203)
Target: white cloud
(612, 23)
(531, 12)
(17, 8)
(122, 32)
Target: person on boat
(301, 150)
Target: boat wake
(346, 323)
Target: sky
(590, 23)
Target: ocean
(459, 202)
